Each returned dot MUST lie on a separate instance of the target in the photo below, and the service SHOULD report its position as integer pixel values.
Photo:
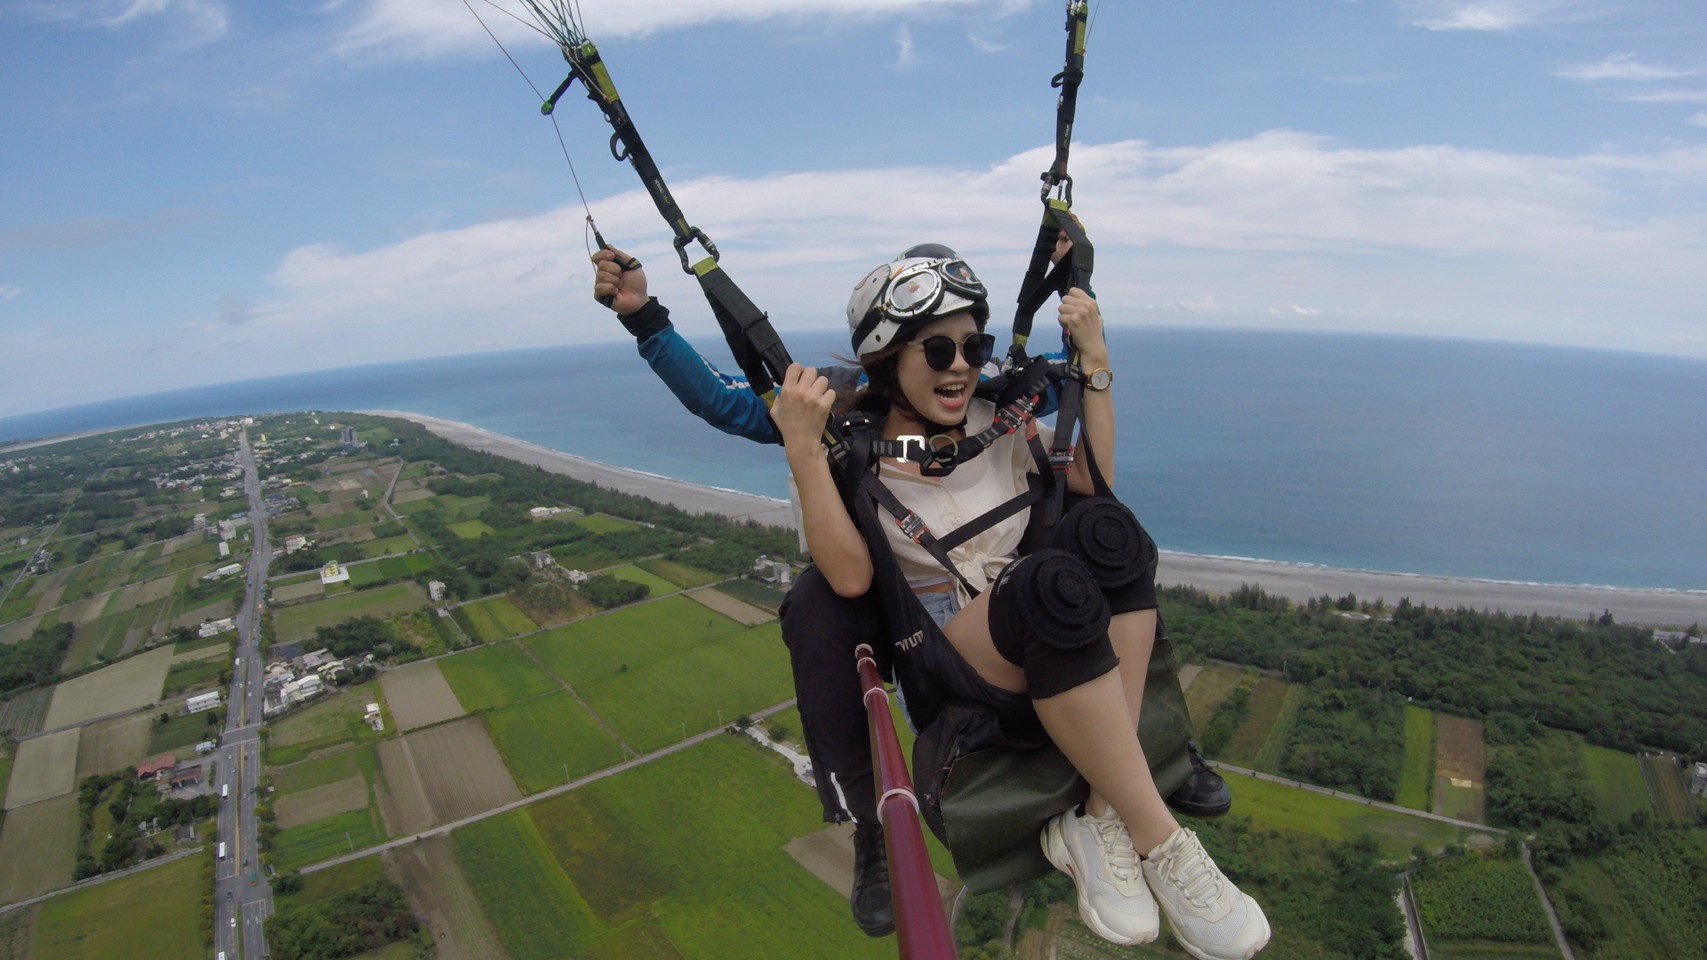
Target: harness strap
(913, 527)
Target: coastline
(1296, 582)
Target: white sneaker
(1097, 853)
(1209, 916)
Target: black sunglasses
(940, 350)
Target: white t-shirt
(946, 503)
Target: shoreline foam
(1298, 582)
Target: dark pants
(821, 630)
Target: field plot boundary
(1416, 769)
(322, 802)
(43, 835)
(1460, 764)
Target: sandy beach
(1297, 582)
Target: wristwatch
(1099, 379)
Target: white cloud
(1623, 67)
(1496, 16)
(8, 291)
(1665, 96)
(904, 56)
(188, 22)
(1699, 120)
(411, 29)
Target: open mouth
(952, 395)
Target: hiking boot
(1204, 794)
(872, 908)
(1097, 853)
(1211, 918)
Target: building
(374, 719)
(224, 549)
(545, 513)
(211, 628)
(202, 702)
(332, 572)
(772, 571)
(206, 747)
(436, 590)
(225, 571)
(295, 542)
(163, 763)
(186, 776)
(1698, 782)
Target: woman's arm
(802, 408)
(724, 401)
(1083, 321)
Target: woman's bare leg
(1095, 724)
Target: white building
(225, 571)
(213, 628)
(333, 572)
(435, 590)
(202, 702)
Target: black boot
(872, 908)
(1204, 794)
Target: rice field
(344, 833)
(487, 678)
(626, 868)
(496, 619)
(657, 585)
(470, 529)
(550, 740)
(155, 912)
(681, 575)
(1665, 788)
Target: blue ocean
(1440, 457)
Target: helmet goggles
(920, 286)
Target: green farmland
(1416, 774)
(658, 671)
(487, 678)
(1617, 782)
(155, 912)
(324, 839)
(497, 619)
(299, 622)
(658, 585)
(626, 868)
(550, 740)
(1280, 807)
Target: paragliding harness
(988, 781)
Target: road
(243, 897)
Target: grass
(684, 577)
(1280, 733)
(602, 523)
(1214, 681)
(317, 773)
(628, 868)
(497, 619)
(545, 738)
(156, 912)
(1416, 773)
(180, 733)
(300, 622)
(1617, 782)
(470, 529)
(657, 671)
(388, 545)
(658, 585)
(333, 719)
(533, 906)
(1665, 788)
(1268, 701)
(1280, 807)
(189, 674)
(761, 595)
(313, 842)
(488, 678)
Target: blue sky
(195, 191)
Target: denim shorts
(941, 606)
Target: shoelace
(1122, 856)
(1194, 875)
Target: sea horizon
(1480, 461)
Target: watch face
(1100, 379)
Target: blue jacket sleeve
(719, 399)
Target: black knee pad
(1049, 617)
(1103, 535)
